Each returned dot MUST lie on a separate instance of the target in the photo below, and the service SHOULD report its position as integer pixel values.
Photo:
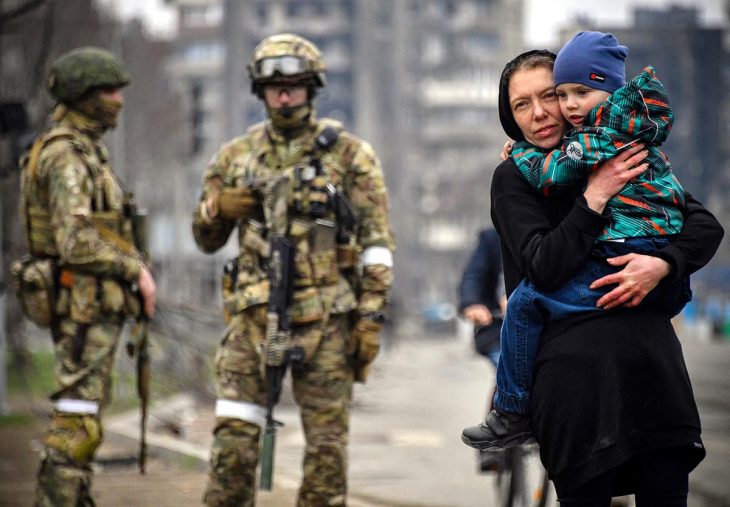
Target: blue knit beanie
(594, 59)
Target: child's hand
(612, 175)
(506, 149)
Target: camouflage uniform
(333, 283)
(69, 192)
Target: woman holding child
(611, 403)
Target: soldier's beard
(290, 120)
(103, 110)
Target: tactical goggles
(283, 65)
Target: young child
(608, 116)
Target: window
(200, 16)
(204, 52)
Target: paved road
(405, 446)
(708, 364)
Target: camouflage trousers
(323, 390)
(83, 376)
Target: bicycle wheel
(522, 481)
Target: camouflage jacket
(352, 167)
(649, 205)
(68, 193)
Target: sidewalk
(405, 446)
(405, 449)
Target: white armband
(72, 406)
(377, 255)
(243, 410)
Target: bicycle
(521, 480)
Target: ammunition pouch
(310, 311)
(84, 298)
(306, 307)
(46, 291)
(34, 280)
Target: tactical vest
(39, 231)
(46, 289)
(322, 258)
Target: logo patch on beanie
(574, 150)
(597, 77)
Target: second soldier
(336, 217)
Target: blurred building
(416, 78)
(690, 59)
(198, 66)
(449, 57)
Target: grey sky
(543, 18)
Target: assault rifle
(278, 353)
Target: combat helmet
(80, 70)
(286, 57)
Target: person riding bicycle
(482, 302)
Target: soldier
(72, 205)
(342, 273)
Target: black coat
(607, 385)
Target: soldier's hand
(234, 203)
(367, 342)
(148, 289)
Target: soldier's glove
(367, 344)
(237, 202)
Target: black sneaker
(499, 430)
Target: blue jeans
(528, 309)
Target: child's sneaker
(500, 430)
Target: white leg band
(71, 406)
(243, 410)
(377, 255)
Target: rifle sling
(112, 237)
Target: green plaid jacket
(649, 205)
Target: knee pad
(77, 437)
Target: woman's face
(535, 106)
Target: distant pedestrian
(481, 293)
(482, 302)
